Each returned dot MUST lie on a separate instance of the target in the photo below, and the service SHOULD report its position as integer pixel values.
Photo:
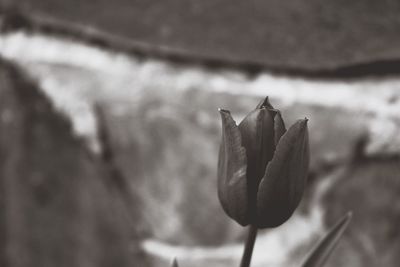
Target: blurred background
(109, 130)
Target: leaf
(324, 248)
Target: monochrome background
(109, 130)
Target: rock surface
(309, 35)
(55, 207)
(371, 188)
(163, 128)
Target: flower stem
(248, 248)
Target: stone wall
(58, 205)
(130, 165)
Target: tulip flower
(262, 168)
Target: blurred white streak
(272, 248)
(92, 74)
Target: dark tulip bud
(252, 187)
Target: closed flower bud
(262, 168)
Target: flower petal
(279, 127)
(264, 104)
(257, 131)
(232, 183)
(283, 184)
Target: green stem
(248, 248)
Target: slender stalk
(248, 248)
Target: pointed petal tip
(265, 104)
(303, 123)
(300, 126)
(221, 110)
(224, 112)
(266, 101)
